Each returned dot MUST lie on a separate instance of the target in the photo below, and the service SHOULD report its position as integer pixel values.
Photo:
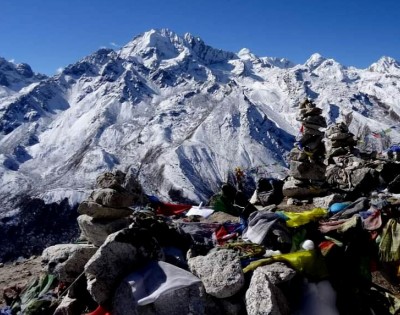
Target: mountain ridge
(180, 113)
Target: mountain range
(179, 114)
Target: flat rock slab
(97, 230)
(98, 211)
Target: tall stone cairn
(307, 168)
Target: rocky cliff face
(179, 113)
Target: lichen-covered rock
(97, 230)
(327, 201)
(67, 261)
(121, 253)
(263, 297)
(297, 189)
(98, 211)
(277, 272)
(220, 271)
(307, 170)
(112, 198)
(113, 180)
(298, 155)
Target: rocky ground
(22, 271)
(18, 274)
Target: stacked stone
(105, 215)
(346, 170)
(307, 170)
(107, 208)
(338, 141)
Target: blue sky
(49, 34)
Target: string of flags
(384, 133)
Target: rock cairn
(338, 141)
(346, 169)
(307, 170)
(107, 247)
(107, 208)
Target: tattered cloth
(170, 209)
(261, 223)
(389, 247)
(199, 232)
(296, 219)
(357, 206)
(245, 249)
(156, 279)
(308, 262)
(340, 226)
(371, 219)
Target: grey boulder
(68, 306)
(67, 261)
(97, 211)
(97, 230)
(122, 252)
(263, 297)
(112, 198)
(220, 271)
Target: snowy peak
(154, 47)
(314, 61)
(16, 76)
(282, 63)
(246, 54)
(385, 65)
(92, 64)
(205, 53)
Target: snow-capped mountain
(178, 112)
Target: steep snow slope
(182, 114)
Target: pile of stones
(338, 141)
(106, 211)
(346, 169)
(327, 159)
(131, 252)
(107, 208)
(307, 170)
(136, 261)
